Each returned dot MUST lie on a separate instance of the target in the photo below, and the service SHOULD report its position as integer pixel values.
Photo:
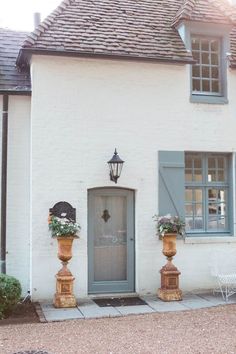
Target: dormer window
(209, 73)
(206, 73)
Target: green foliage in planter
(10, 292)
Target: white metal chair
(223, 268)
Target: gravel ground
(211, 330)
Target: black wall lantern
(115, 165)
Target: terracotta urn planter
(169, 290)
(65, 248)
(64, 296)
(169, 245)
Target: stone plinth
(169, 290)
(64, 296)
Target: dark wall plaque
(63, 208)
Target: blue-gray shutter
(171, 183)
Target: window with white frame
(207, 192)
(207, 72)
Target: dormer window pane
(195, 44)
(205, 45)
(196, 71)
(215, 73)
(205, 71)
(196, 85)
(214, 45)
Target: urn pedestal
(64, 296)
(169, 290)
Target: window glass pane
(196, 85)
(214, 45)
(211, 162)
(198, 210)
(188, 162)
(221, 175)
(215, 86)
(222, 223)
(205, 58)
(188, 175)
(222, 195)
(222, 209)
(205, 44)
(197, 162)
(212, 194)
(196, 56)
(212, 222)
(196, 70)
(188, 210)
(197, 175)
(215, 72)
(188, 223)
(221, 162)
(198, 195)
(195, 44)
(211, 175)
(198, 223)
(188, 195)
(212, 209)
(206, 71)
(214, 59)
(206, 85)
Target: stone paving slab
(134, 310)
(92, 310)
(194, 302)
(87, 308)
(53, 314)
(161, 306)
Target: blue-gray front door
(110, 240)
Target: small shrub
(10, 292)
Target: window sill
(208, 99)
(210, 239)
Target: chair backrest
(223, 262)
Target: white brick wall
(18, 189)
(83, 109)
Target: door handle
(131, 239)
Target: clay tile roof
(210, 11)
(10, 77)
(137, 28)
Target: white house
(157, 81)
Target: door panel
(111, 240)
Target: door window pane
(110, 239)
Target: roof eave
(15, 92)
(25, 54)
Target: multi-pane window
(206, 73)
(206, 192)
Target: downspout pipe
(4, 182)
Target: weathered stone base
(64, 301)
(169, 294)
(64, 296)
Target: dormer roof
(209, 11)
